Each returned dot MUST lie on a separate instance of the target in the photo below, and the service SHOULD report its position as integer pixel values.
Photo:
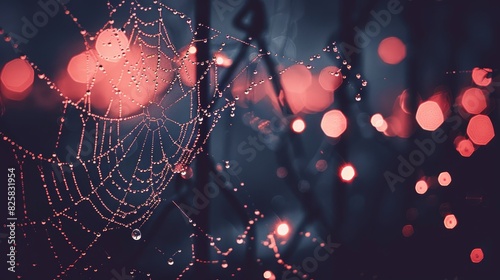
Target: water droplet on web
(136, 234)
(309, 67)
(170, 261)
(224, 264)
(358, 76)
(348, 67)
(364, 83)
(358, 97)
(255, 72)
(344, 62)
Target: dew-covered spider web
(129, 126)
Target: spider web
(126, 129)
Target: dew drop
(358, 97)
(224, 264)
(358, 76)
(170, 261)
(136, 234)
(364, 83)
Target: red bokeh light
(221, 59)
(347, 173)
(82, 67)
(392, 50)
(281, 172)
(421, 187)
(298, 125)
(269, 275)
(450, 221)
(111, 44)
(296, 78)
(377, 120)
(330, 78)
(480, 130)
(334, 123)
(315, 98)
(17, 77)
(444, 179)
(465, 147)
(474, 101)
(480, 76)
(321, 165)
(282, 229)
(408, 231)
(476, 255)
(429, 115)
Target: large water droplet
(136, 234)
(358, 97)
(170, 261)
